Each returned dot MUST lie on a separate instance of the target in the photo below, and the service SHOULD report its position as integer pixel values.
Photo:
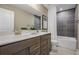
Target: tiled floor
(63, 51)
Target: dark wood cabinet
(45, 44)
(40, 45)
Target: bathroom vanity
(34, 44)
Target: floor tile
(62, 51)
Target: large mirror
(16, 19)
(34, 24)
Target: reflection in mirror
(34, 24)
(6, 21)
(37, 22)
(44, 23)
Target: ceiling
(61, 7)
(45, 5)
(27, 8)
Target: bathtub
(66, 42)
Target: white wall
(78, 27)
(52, 22)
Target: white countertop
(11, 38)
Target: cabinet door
(45, 44)
(35, 52)
(44, 52)
(14, 47)
(44, 47)
(22, 52)
(49, 42)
